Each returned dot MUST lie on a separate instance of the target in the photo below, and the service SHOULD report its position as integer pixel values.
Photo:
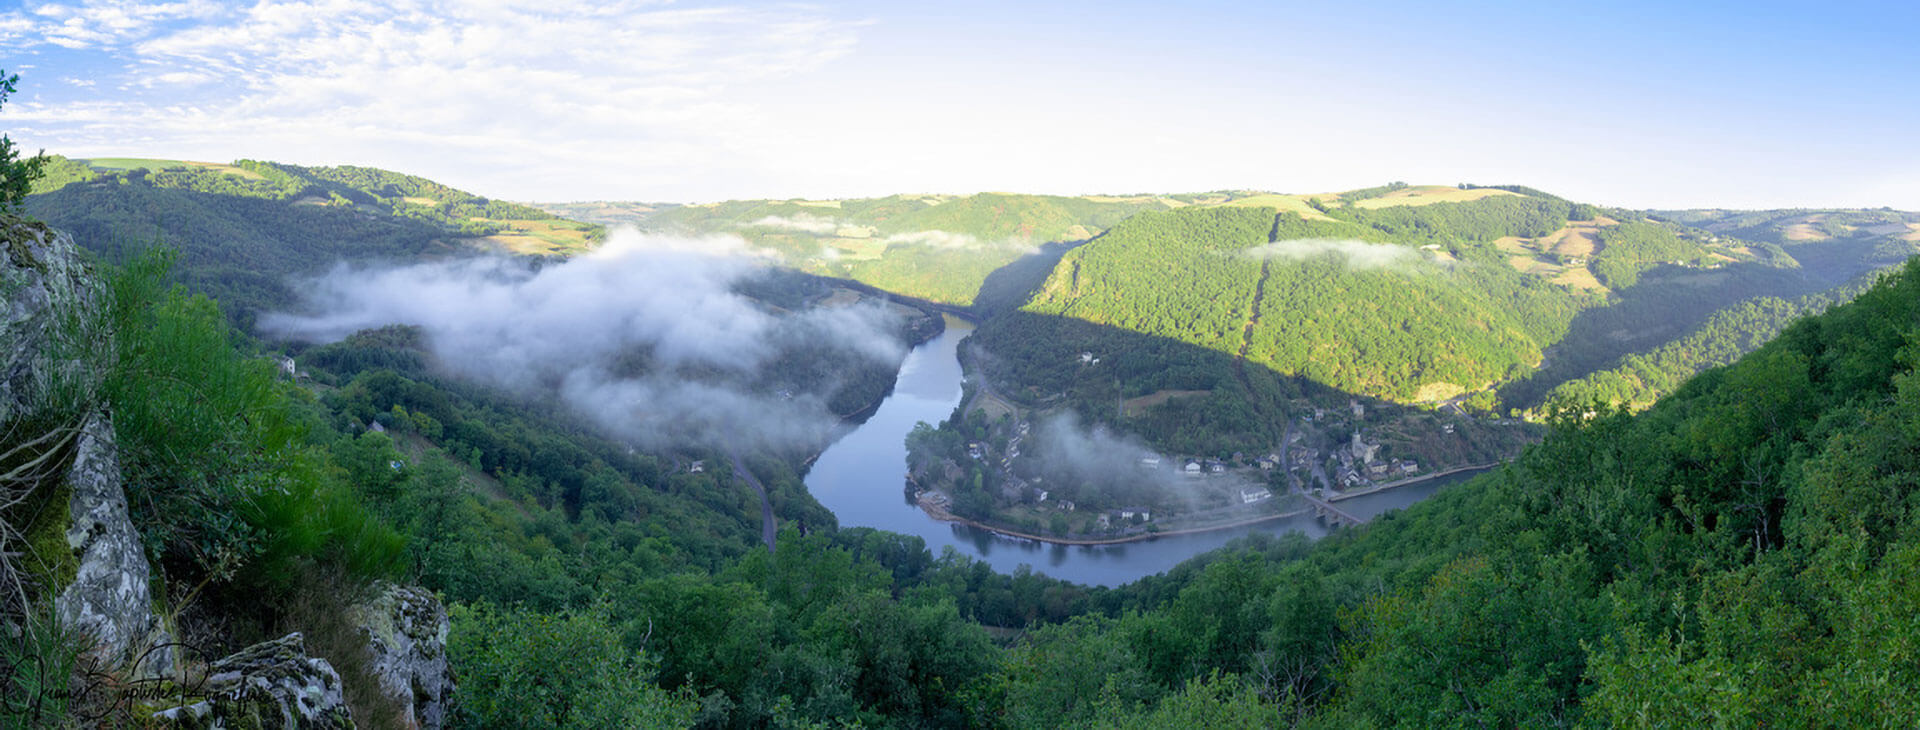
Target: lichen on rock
(109, 599)
(406, 629)
(273, 684)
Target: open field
(1429, 194)
(1579, 277)
(1277, 201)
(540, 237)
(1531, 265)
(1133, 406)
(136, 163)
(1572, 241)
(1803, 232)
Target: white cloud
(1357, 254)
(952, 240)
(805, 223)
(528, 92)
(566, 329)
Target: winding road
(766, 506)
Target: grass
(1579, 278)
(1430, 194)
(1288, 203)
(542, 237)
(138, 163)
(1133, 406)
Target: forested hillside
(940, 248)
(243, 229)
(1500, 297)
(1618, 574)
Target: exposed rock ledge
(273, 684)
(109, 599)
(406, 631)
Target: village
(995, 478)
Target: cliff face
(61, 481)
(99, 575)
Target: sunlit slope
(935, 247)
(1427, 293)
(1335, 301)
(243, 230)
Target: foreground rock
(406, 631)
(109, 600)
(272, 684)
(41, 278)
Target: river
(861, 477)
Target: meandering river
(861, 477)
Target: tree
(16, 175)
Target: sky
(1638, 104)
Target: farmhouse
(1192, 469)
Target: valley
(1039, 420)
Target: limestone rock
(406, 630)
(272, 684)
(109, 599)
(41, 278)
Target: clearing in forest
(1133, 406)
(1430, 194)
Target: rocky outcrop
(406, 630)
(109, 599)
(42, 278)
(272, 684)
(48, 370)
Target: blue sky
(1644, 104)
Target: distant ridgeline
(941, 248)
(241, 229)
(1488, 297)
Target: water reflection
(859, 476)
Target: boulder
(273, 684)
(406, 629)
(109, 599)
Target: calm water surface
(862, 478)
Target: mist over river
(861, 477)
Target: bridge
(1333, 516)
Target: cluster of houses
(1359, 464)
(1123, 516)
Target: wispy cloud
(547, 90)
(952, 240)
(1356, 254)
(572, 331)
(816, 225)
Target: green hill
(936, 247)
(242, 229)
(1419, 302)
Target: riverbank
(938, 512)
(1409, 481)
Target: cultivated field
(137, 163)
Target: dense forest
(938, 248)
(243, 230)
(1492, 302)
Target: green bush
(522, 669)
(221, 478)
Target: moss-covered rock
(406, 629)
(109, 599)
(273, 684)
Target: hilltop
(243, 228)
